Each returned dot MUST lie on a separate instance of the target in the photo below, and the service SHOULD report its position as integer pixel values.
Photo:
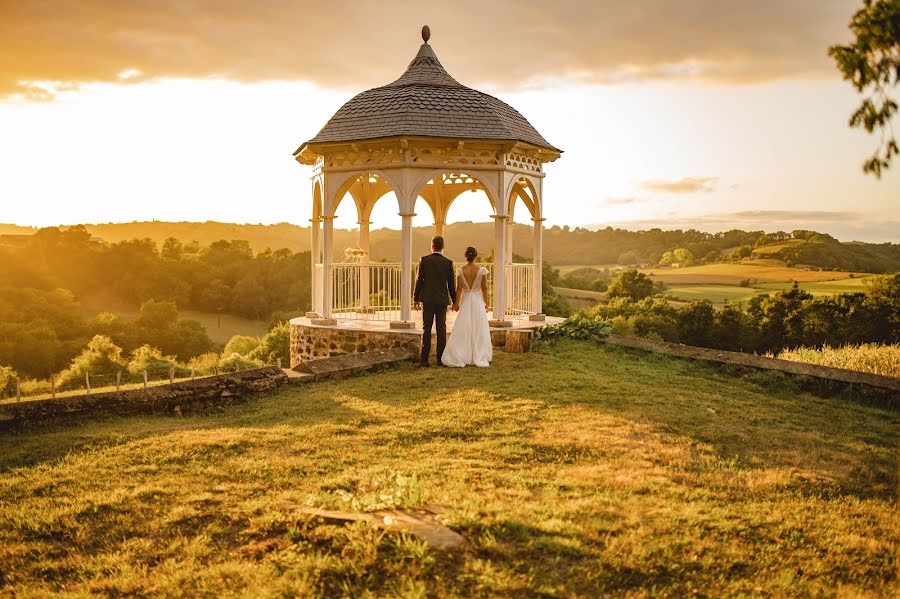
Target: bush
(240, 344)
(236, 362)
(206, 363)
(575, 327)
(101, 357)
(8, 378)
(151, 359)
(274, 346)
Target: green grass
(733, 274)
(581, 299)
(855, 285)
(572, 471)
(717, 294)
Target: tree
(631, 284)
(872, 64)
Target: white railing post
(364, 287)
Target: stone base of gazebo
(353, 334)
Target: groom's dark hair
(437, 242)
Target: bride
(470, 339)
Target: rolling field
(630, 475)
(823, 287)
(719, 283)
(717, 294)
(733, 274)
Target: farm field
(823, 287)
(733, 274)
(644, 472)
(717, 294)
(580, 299)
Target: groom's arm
(420, 281)
(451, 283)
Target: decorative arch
(346, 185)
(523, 188)
(317, 200)
(468, 181)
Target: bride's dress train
(470, 338)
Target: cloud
(685, 185)
(363, 43)
(620, 201)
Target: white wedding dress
(470, 338)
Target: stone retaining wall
(314, 342)
(182, 397)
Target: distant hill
(562, 245)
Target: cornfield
(869, 357)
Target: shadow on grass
(50, 442)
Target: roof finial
(426, 33)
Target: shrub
(8, 378)
(240, 344)
(101, 357)
(151, 359)
(274, 346)
(237, 362)
(575, 327)
(205, 363)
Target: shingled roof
(427, 101)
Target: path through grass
(576, 471)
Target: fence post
(118, 380)
(171, 375)
(53, 386)
(18, 391)
(87, 382)
(216, 370)
(279, 362)
(192, 374)
(145, 380)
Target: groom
(435, 287)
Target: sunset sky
(708, 114)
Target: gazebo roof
(426, 101)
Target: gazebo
(423, 135)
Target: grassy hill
(630, 474)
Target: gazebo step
(341, 366)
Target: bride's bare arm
(484, 292)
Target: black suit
(435, 287)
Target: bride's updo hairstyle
(471, 254)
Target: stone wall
(312, 342)
(177, 398)
(309, 342)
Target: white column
(509, 239)
(327, 259)
(438, 228)
(500, 267)
(364, 291)
(538, 261)
(314, 259)
(406, 290)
